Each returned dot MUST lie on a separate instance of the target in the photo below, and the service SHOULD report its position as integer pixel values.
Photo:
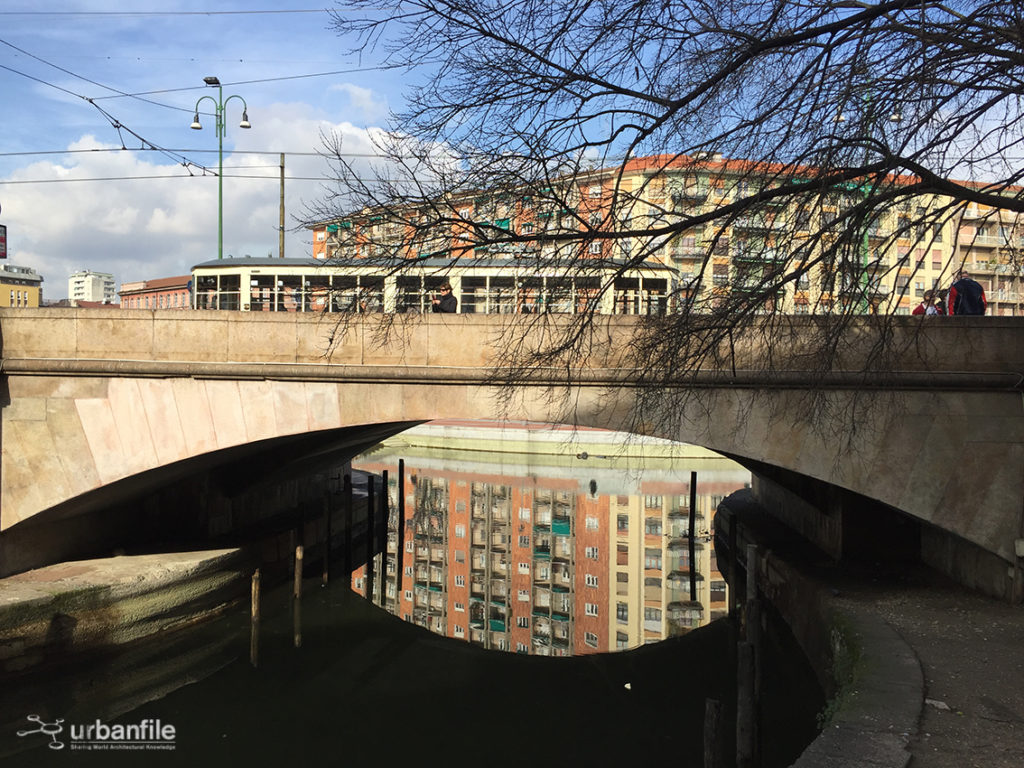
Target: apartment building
(897, 259)
(159, 293)
(531, 565)
(20, 286)
(86, 285)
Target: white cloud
(371, 107)
(137, 226)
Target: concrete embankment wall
(75, 608)
(871, 678)
(62, 612)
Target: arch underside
(952, 459)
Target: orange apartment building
(532, 565)
(902, 259)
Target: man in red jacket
(966, 296)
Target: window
(595, 247)
(652, 558)
(652, 614)
(407, 595)
(717, 591)
(590, 639)
(523, 595)
(621, 640)
(591, 580)
(459, 631)
(590, 609)
(407, 571)
(460, 607)
(524, 541)
(622, 612)
(652, 526)
(524, 513)
(622, 523)
(460, 580)
(593, 523)
(460, 555)
(524, 568)
(594, 191)
(522, 648)
(622, 554)
(460, 531)
(410, 547)
(522, 621)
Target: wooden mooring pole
(400, 554)
(325, 573)
(346, 500)
(297, 585)
(712, 743)
(254, 620)
(693, 537)
(747, 670)
(370, 525)
(385, 513)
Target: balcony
(688, 193)
(983, 241)
(754, 222)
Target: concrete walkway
(970, 652)
(931, 675)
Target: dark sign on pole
(3, 241)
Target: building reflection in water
(529, 555)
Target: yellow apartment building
(20, 286)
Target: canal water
(513, 638)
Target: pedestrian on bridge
(966, 296)
(446, 302)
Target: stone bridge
(102, 404)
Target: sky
(79, 192)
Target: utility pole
(280, 233)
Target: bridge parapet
(959, 346)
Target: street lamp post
(219, 104)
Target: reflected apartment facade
(536, 565)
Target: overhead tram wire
(250, 82)
(86, 79)
(117, 125)
(6, 182)
(196, 151)
(164, 13)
